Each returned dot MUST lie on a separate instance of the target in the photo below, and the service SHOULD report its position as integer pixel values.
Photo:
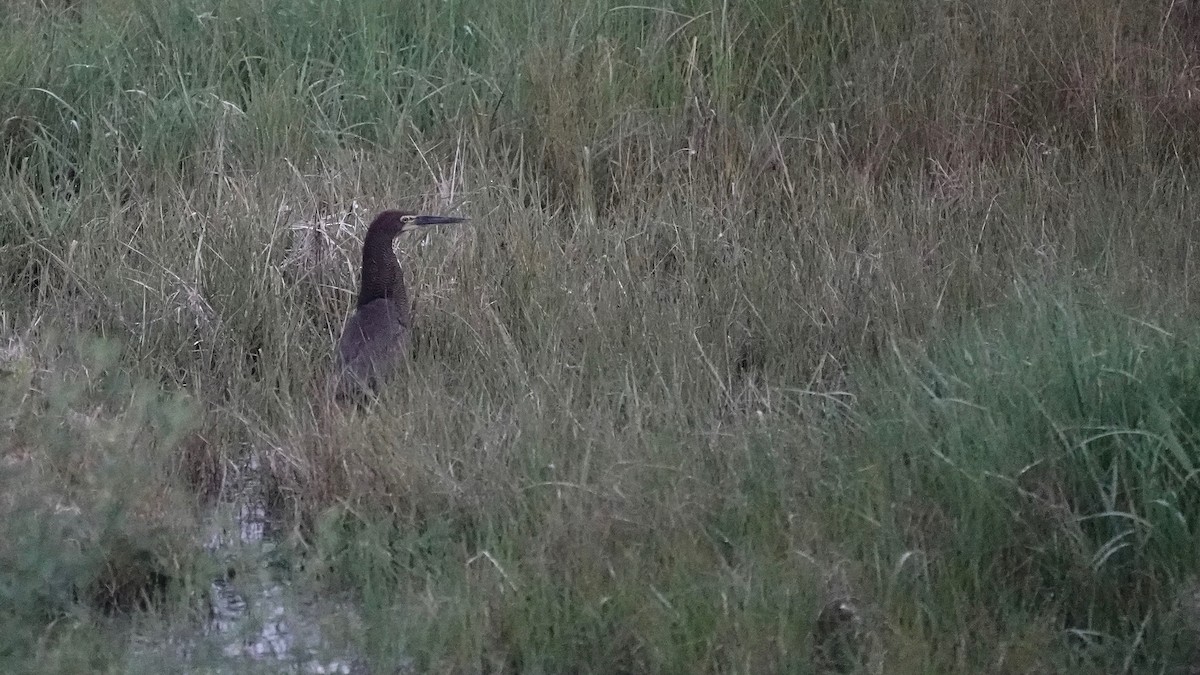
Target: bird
(377, 336)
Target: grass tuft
(1037, 461)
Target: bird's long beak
(425, 221)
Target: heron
(377, 337)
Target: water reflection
(257, 620)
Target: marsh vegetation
(787, 336)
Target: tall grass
(692, 391)
(1041, 461)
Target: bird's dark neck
(381, 274)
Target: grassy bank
(785, 336)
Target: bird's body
(376, 338)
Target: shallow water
(258, 621)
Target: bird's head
(392, 223)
